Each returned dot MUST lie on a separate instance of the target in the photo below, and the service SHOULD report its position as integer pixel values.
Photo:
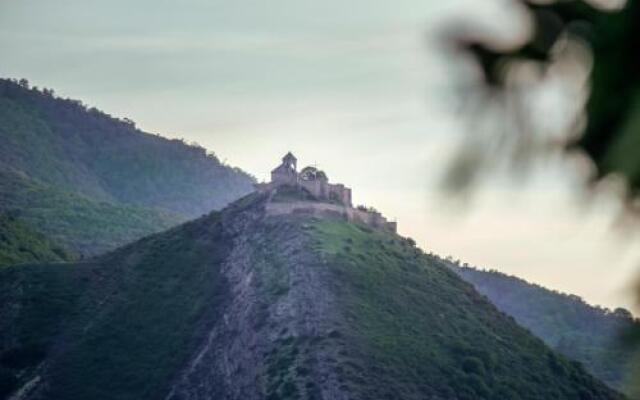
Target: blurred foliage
(607, 133)
(611, 137)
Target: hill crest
(239, 304)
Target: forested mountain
(592, 335)
(81, 223)
(92, 181)
(241, 304)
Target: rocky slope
(241, 305)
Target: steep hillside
(19, 244)
(591, 335)
(70, 151)
(242, 305)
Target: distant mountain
(243, 304)
(109, 181)
(592, 335)
(19, 244)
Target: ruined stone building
(329, 198)
(311, 179)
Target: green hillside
(91, 181)
(128, 317)
(19, 244)
(592, 335)
(422, 326)
(240, 305)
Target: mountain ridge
(241, 305)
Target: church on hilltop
(329, 198)
(309, 178)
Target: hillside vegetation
(239, 305)
(19, 244)
(91, 181)
(426, 333)
(77, 222)
(592, 335)
(127, 320)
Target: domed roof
(313, 174)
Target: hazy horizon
(361, 90)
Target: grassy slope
(582, 332)
(20, 244)
(422, 331)
(119, 326)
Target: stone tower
(286, 173)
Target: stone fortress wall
(369, 218)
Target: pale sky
(357, 87)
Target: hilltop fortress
(309, 192)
